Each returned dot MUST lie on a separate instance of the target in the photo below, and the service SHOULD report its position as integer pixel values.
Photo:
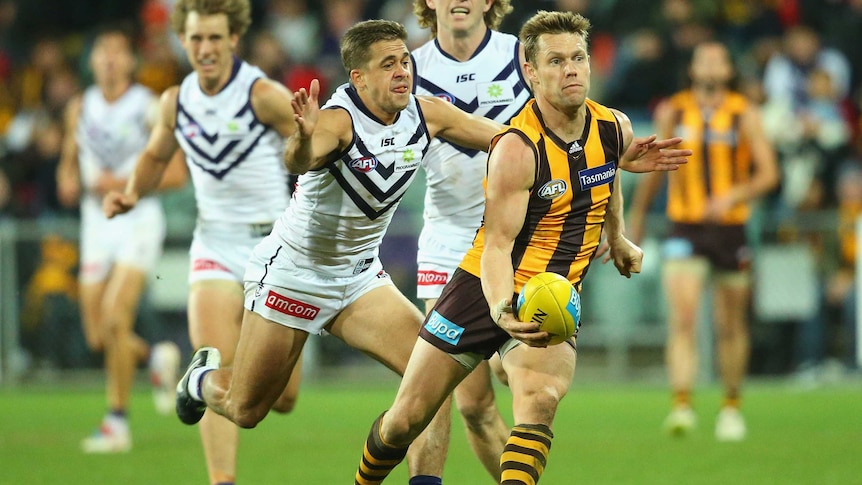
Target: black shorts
(461, 321)
(725, 247)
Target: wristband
(503, 306)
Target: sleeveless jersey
(568, 199)
(489, 84)
(720, 158)
(341, 211)
(235, 161)
(110, 136)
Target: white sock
(196, 380)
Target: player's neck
(567, 125)
(709, 95)
(112, 91)
(461, 45)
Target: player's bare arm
(152, 162)
(68, 174)
(465, 129)
(511, 173)
(649, 153)
(627, 256)
(271, 102)
(319, 133)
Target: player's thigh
(383, 323)
(497, 368)
(684, 280)
(266, 355)
(538, 378)
(215, 313)
(731, 294)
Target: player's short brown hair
(355, 44)
(545, 22)
(493, 17)
(238, 13)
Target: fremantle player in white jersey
(319, 270)
(478, 69)
(106, 128)
(230, 121)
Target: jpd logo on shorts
(443, 329)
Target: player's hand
(627, 256)
(106, 182)
(718, 207)
(306, 108)
(646, 154)
(115, 203)
(527, 332)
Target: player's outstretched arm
(461, 128)
(152, 162)
(627, 256)
(648, 153)
(318, 133)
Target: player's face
(112, 59)
(562, 71)
(387, 80)
(710, 65)
(460, 17)
(210, 46)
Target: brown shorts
(461, 321)
(726, 247)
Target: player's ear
(357, 79)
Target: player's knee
(284, 404)
(400, 429)
(246, 415)
(477, 411)
(543, 402)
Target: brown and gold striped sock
(378, 458)
(526, 454)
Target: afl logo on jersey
(364, 164)
(446, 97)
(553, 189)
(191, 130)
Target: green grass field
(604, 435)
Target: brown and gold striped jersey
(568, 199)
(720, 157)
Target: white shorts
(439, 254)
(220, 251)
(132, 239)
(280, 290)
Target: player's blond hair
(545, 22)
(238, 13)
(493, 17)
(356, 43)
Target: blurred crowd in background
(799, 59)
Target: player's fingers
(314, 89)
(644, 140)
(668, 142)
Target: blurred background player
(708, 204)
(106, 129)
(229, 120)
(478, 69)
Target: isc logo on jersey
(601, 175)
(364, 164)
(553, 189)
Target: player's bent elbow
(285, 404)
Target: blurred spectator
(640, 76)
(339, 15)
(296, 28)
(812, 138)
(821, 336)
(786, 73)
(401, 11)
(158, 67)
